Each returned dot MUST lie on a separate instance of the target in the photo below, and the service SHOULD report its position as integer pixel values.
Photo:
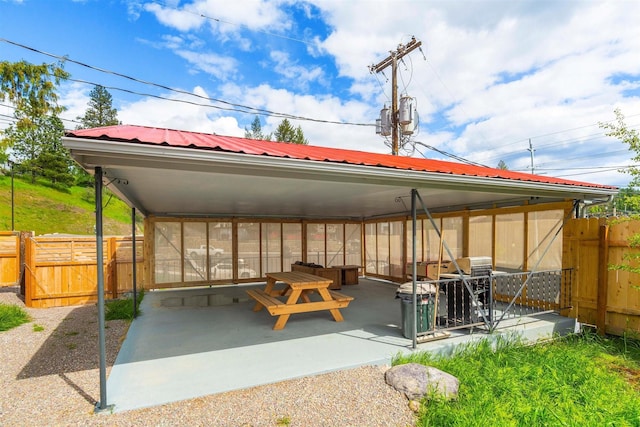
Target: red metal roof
(196, 140)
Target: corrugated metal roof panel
(196, 140)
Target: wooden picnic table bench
(298, 286)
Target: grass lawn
(122, 308)
(11, 316)
(43, 209)
(580, 380)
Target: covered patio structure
(252, 207)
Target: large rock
(417, 381)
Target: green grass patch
(37, 328)
(122, 309)
(43, 209)
(12, 316)
(581, 380)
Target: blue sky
(491, 74)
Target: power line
(210, 18)
(590, 137)
(444, 153)
(587, 173)
(14, 119)
(590, 168)
(238, 107)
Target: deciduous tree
(619, 130)
(34, 138)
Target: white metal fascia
(110, 153)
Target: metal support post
(101, 406)
(414, 269)
(133, 260)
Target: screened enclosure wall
(428, 240)
(516, 238)
(189, 251)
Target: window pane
(248, 250)
(370, 248)
(315, 243)
(542, 229)
(353, 244)
(220, 239)
(396, 255)
(509, 241)
(271, 247)
(167, 246)
(432, 243)
(419, 241)
(335, 244)
(292, 237)
(453, 236)
(196, 251)
(382, 249)
(480, 235)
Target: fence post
(603, 279)
(112, 267)
(29, 271)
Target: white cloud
(218, 66)
(496, 73)
(329, 108)
(222, 16)
(180, 115)
(291, 70)
(181, 19)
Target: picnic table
(297, 290)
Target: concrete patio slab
(196, 342)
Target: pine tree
(36, 146)
(100, 111)
(285, 132)
(256, 131)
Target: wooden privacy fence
(606, 298)
(62, 271)
(9, 258)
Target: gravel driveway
(49, 377)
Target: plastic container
(425, 298)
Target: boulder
(417, 381)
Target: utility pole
(392, 60)
(531, 150)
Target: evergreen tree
(100, 111)
(256, 131)
(502, 165)
(36, 146)
(285, 132)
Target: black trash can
(425, 299)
